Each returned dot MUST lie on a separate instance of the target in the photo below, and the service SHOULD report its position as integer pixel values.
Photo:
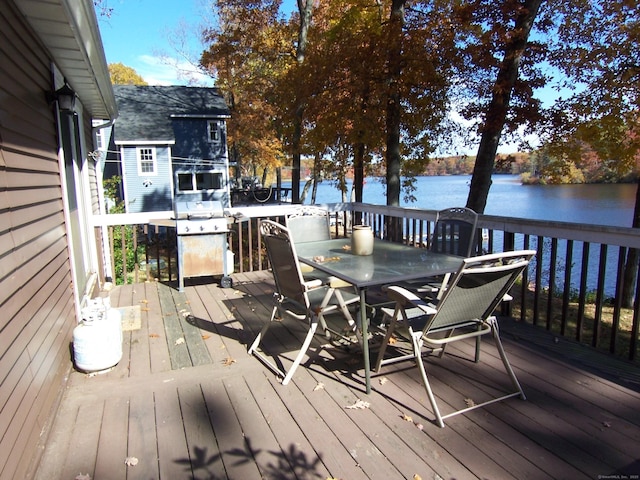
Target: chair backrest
(477, 288)
(308, 223)
(454, 231)
(284, 262)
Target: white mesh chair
(308, 301)
(464, 311)
(308, 223)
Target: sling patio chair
(454, 233)
(465, 311)
(308, 301)
(310, 223)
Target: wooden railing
(574, 287)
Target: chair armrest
(404, 297)
(313, 283)
(338, 283)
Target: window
(100, 140)
(146, 160)
(213, 131)
(190, 181)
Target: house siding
(191, 141)
(147, 193)
(36, 298)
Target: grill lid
(185, 210)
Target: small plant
(130, 255)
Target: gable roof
(146, 112)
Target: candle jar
(362, 240)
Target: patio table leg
(365, 340)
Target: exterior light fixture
(66, 98)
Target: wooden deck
(187, 401)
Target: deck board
(112, 446)
(217, 413)
(201, 440)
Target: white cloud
(158, 70)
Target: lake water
(610, 205)
(594, 204)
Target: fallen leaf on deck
(131, 461)
(393, 340)
(417, 477)
(407, 418)
(420, 426)
(229, 361)
(319, 386)
(469, 402)
(180, 341)
(383, 380)
(144, 301)
(205, 336)
(154, 335)
(83, 476)
(360, 404)
(145, 309)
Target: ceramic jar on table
(362, 240)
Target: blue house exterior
(172, 143)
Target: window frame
(217, 129)
(153, 161)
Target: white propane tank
(97, 340)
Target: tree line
(356, 83)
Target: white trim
(129, 143)
(199, 115)
(104, 234)
(154, 161)
(218, 125)
(125, 190)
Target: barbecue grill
(202, 230)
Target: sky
(156, 38)
(161, 41)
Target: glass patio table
(390, 263)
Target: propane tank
(97, 340)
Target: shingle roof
(145, 111)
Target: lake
(602, 204)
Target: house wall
(36, 298)
(147, 193)
(191, 141)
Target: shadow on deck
(187, 401)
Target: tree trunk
(358, 177)
(305, 7)
(393, 113)
(497, 111)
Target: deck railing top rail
(619, 236)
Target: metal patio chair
(454, 233)
(310, 223)
(464, 311)
(308, 301)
